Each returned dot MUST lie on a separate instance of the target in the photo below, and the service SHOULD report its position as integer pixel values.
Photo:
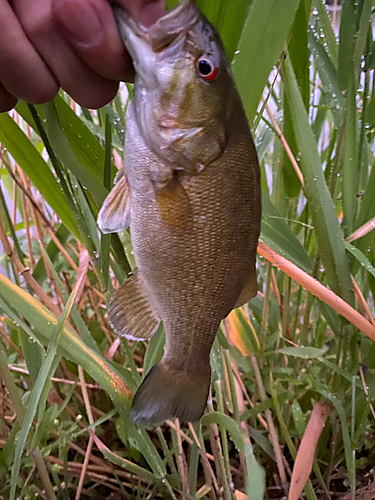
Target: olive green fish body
(194, 242)
(194, 215)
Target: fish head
(184, 90)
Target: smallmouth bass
(190, 192)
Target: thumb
(145, 12)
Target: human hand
(73, 44)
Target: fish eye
(206, 69)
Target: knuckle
(37, 24)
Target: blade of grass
(348, 28)
(43, 376)
(364, 27)
(36, 169)
(327, 230)
(105, 239)
(267, 25)
(299, 56)
(305, 455)
(361, 258)
(350, 463)
(317, 289)
(328, 76)
(350, 157)
(325, 29)
(78, 321)
(255, 475)
(12, 389)
(84, 144)
(10, 227)
(92, 180)
(277, 234)
(233, 13)
(126, 464)
(71, 346)
(228, 424)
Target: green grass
(67, 380)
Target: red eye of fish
(206, 69)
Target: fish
(189, 193)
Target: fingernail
(81, 21)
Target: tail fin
(167, 393)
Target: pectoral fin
(130, 313)
(114, 216)
(248, 292)
(174, 206)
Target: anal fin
(130, 313)
(114, 215)
(248, 292)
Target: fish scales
(194, 211)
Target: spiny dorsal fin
(114, 216)
(130, 313)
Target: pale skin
(72, 44)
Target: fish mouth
(164, 36)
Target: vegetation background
(293, 374)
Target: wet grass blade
(361, 258)
(255, 475)
(348, 28)
(350, 157)
(84, 144)
(36, 393)
(92, 179)
(328, 75)
(31, 162)
(105, 239)
(267, 25)
(299, 56)
(328, 234)
(277, 234)
(364, 27)
(326, 31)
(71, 346)
(350, 463)
(233, 13)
